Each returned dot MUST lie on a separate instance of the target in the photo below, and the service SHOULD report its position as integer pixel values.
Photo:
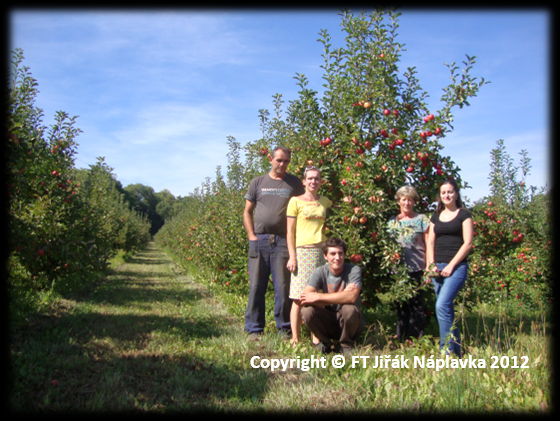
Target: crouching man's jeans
(268, 256)
(344, 325)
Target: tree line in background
(64, 223)
(371, 133)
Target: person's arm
(310, 296)
(464, 250)
(248, 220)
(430, 248)
(290, 239)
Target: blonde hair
(407, 191)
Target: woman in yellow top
(306, 218)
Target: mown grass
(148, 338)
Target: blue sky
(157, 92)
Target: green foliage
(208, 231)
(121, 228)
(49, 232)
(58, 228)
(512, 256)
(370, 133)
(144, 199)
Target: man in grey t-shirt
(265, 221)
(336, 312)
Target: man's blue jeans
(268, 256)
(446, 290)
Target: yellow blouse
(310, 219)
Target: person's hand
(447, 271)
(292, 265)
(253, 237)
(430, 272)
(426, 279)
(351, 287)
(309, 298)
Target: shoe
(324, 349)
(346, 350)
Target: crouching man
(335, 313)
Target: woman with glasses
(306, 216)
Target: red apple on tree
(356, 258)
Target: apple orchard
(370, 134)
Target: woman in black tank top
(449, 243)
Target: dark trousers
(268, 256)
(411, 317)
(343, 325)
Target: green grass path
(148, 338)
(145, 338)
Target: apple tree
(55, 233)
(512, 252)
(370, 133)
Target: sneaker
(324, 349)
(346, 350)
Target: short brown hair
(284, 149)
(334, 242)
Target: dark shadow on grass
(147, 261)
(127, 379)
(483, 329)
(111, 362)
(123, 291)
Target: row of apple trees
(513, 248)
(64, 223)
(371, 133)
